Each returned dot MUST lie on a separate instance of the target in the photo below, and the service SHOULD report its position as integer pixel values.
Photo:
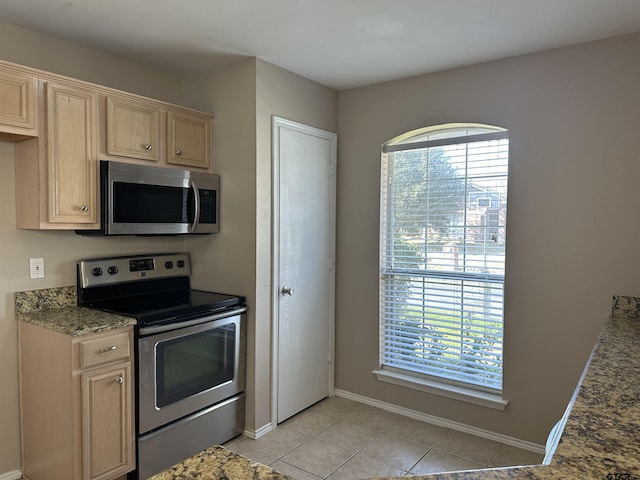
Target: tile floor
(339, 439)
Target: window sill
(483, 399)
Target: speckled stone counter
(600, 439)
(220, 464)
(56, 309)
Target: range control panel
(93, 272)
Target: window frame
(415, 140)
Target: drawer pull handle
(108, 349)
(119, 379)
(178, 152)
(148, 146)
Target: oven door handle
(188, 323)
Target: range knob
(168, 264)
(97, 271)
(180, 263)
(112, 270)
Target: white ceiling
(339, 43)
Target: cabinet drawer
(103, 350)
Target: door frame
(279, 123)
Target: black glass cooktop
(168, 306)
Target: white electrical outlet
(36, 267)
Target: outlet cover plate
(36, 267)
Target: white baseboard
(443, 422)
(15, 475)
(254, 434)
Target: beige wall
(244, 97)
(59, 249)
(226, 262)
(33, 49)
(572, 234)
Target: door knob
(287, 291)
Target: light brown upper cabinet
(72, 154)
(18, 106)
(142, 129)
(63, 127)
(56, 173)
(133, 129)
(188, 139)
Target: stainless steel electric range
(190, 353)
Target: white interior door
(304, 243)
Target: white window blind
(443, 222)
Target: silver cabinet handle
(108, 349)
(287, 291)
(84, 208)
(148, 147)
(119, 379)
(178, 152)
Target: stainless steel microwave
(143, 200)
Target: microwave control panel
(207, 206)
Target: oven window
(195, 363)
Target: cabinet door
(188, 140)
(133, 129)
(72, 154)
(107, 428)
(17, 104)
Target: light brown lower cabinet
(76, 404)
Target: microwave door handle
(196, 209)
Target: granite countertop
(218, 463)
(600, 439)
(57, 309)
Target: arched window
(442, 257)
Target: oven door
(189, 368)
